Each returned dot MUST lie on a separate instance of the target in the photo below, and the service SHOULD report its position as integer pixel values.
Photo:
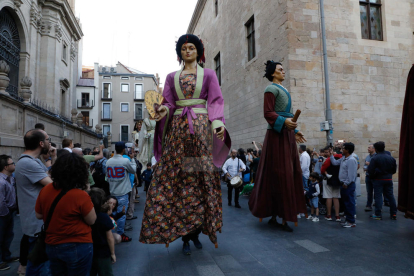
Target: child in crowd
(147, 176)
(109, 207)
(103, 240)
(312, 194)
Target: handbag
(38, 254)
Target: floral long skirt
(185, 192)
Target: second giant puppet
(184, 197)
(278, 189)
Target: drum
(236, 181)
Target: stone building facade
(367, 77)
(39, 68)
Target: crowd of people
(330, 178)
(80, 199)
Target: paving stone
(311, 246)
(208, 270)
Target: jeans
(71, 259)
(236, 193)
(131, 206)
(370, 190)
(348, 196)
(384, 187)
(6, 235)
(305, 183)
(24, 250)
(39, 270)
(122, 201)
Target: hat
(120, 146)
(190, 38)
(136, 149)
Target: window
(106, 111)
(124, 87)
(138, 91)
(124, 78)
(250, 39)
(218, 67)
(139, 78)
(216, 6)
(107, 77)
(106, 129)
(65, 52)
(85, 99)
(371, 20)
(85, 119)
(107, 92)
(124, 133)
(124, 107)
(138, 111)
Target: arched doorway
(10, 49)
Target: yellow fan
(153, 100)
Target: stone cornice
(196, 15)
(67, 15)
(37, 111)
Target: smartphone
(340, 141)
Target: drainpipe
(328, 111)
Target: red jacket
(327, 163)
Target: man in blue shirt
(368, 180)
(347, 176)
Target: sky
(139, 33)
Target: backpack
(98, 169)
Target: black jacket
(382, 166)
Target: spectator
(147, 177)
(7, 208)
(95, 150)
(347, 176)
(304, 164)
(332, 185)
(312, 194)
(255, 164)
(103, 240)
(111, 206)
(118, 170)
(138, 174)
(381, 169)
(77, 145)
(40, 126)
(87, 151)
(31, 177)
(368, 180)
(47, 158)
(89, 159)
(318, 161)
(131, 194)
(67, 144)
(69, 235)
(99, 171)
(231, 168)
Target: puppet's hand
(300, 138)
(160, 113)
(219, 132)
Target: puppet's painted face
(279, 73)
(189, 52)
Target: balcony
(138, 96)
(85, 104)
(88, 125)
(107, 116)
(106, 95)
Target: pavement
(249, 247)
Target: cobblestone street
(248, 247)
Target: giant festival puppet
(278, 189)
(406, 162)
(191, 141)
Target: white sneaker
(299, 216)
(315, 219)
(302, 215)
(354, 216)
(341, 214)
(310, 217)
(328, 176)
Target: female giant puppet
(184, 197)
(278, 189)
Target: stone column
(98, 129)
(25, 92)
(4, 79)
(74, 112)
(79, 119)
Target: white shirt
(68, 149)
(232, 166)
(304, 164)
